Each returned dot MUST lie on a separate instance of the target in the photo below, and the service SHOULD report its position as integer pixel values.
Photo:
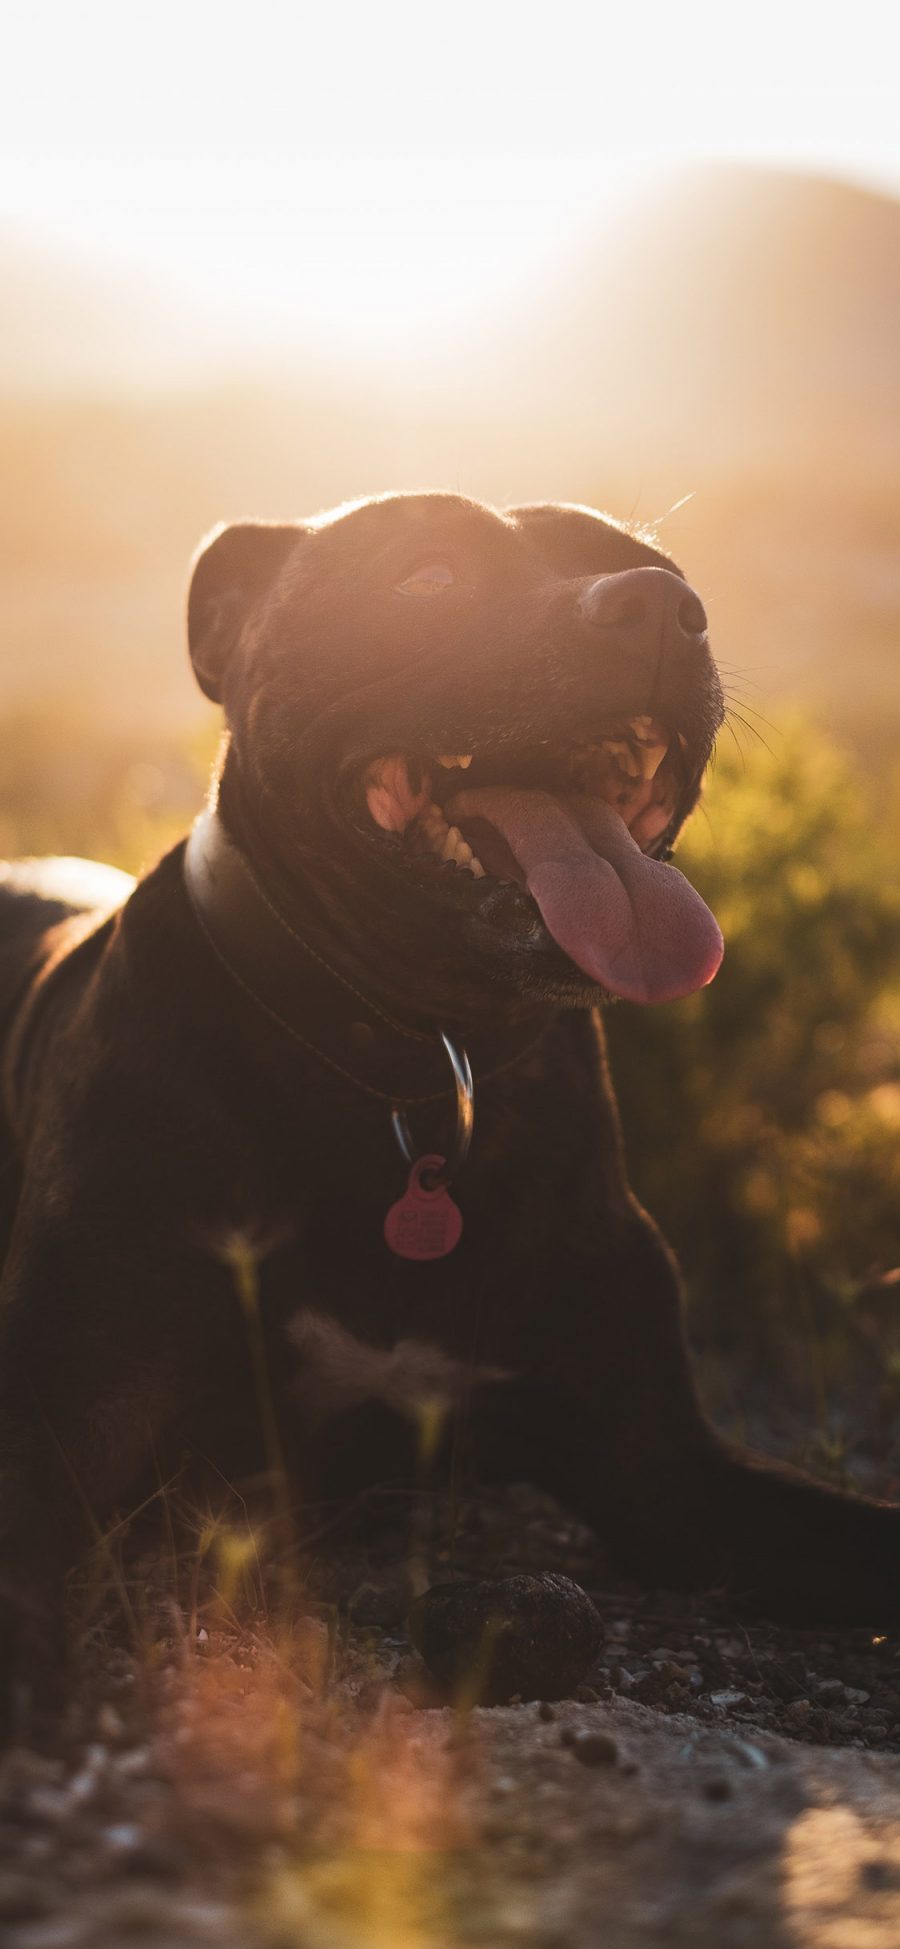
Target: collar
(311, 1001)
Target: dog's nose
(642, 602)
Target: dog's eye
(430, 579)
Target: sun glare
(372, 179)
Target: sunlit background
(261, 260)
(258, 259)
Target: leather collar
(311, 1001)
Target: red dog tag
(423, 1224)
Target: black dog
(461, 744)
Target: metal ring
(465, 1119)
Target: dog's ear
(233, 569)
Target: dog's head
(467, 740)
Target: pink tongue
(635, 926)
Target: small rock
(594, 1748)
(132, 1762)
(748, 1753)
(728, 1698)
(537, 1636)
(110, 1724)
(855, 1697)
(377, 1604)
(545, 1711)
(798, 1712)
(123, 1837)
(830, 1690)
(49, 1805)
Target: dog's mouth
(575, 828)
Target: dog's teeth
(447, 843)
(651, 742)
(620, 750)
(433, 824)
(462, 759)
(653, 756)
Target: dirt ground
(221, 1777)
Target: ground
(260, 1769)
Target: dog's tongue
(634, 925)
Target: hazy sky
(365, 171)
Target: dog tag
(423, 1224)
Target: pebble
(122, 1838)
(110, 1724)
(830, 1690)
(535, 1636)
(593, 1748)
(49, 1805)
(377, 1604)
(135, 1760)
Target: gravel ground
(712, 1782)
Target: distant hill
(736, 320)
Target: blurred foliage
(72, 783)
(762, 1117)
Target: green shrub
(762, 1117)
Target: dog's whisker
(750, 710)
(730, 728)
(733, 717)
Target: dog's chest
(360, 1322)
(363, 1323)
(355, 1320)
(337, 1369)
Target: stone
(532, 1635)
(594, 1748)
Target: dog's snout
(691, 615)
(644, 599)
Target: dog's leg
(614, 1428)
(100, 1354)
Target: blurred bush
(762, 1118)
(72, 783)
